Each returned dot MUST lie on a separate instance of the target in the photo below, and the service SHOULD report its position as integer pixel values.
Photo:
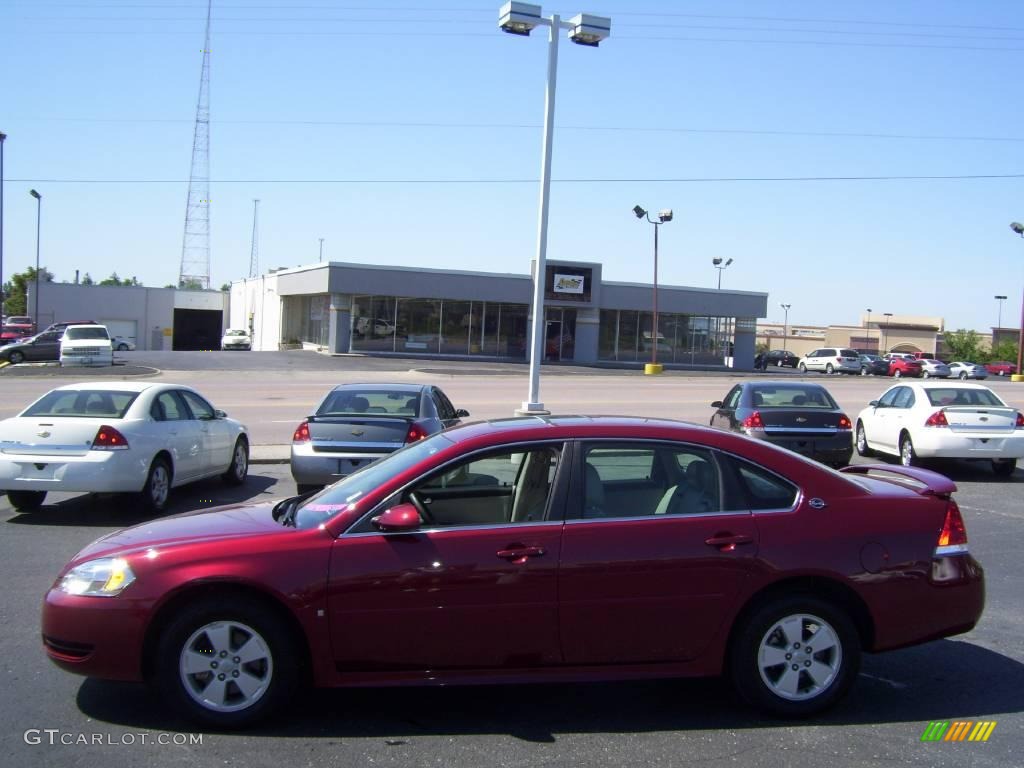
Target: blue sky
(407, 132)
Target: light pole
(664, 216)
(583, 29)
(785, 324)
(1019, 229)
(2, 296)
(39, 217)
(1000, 299)
(321, 249)
(885, 334)
(867, 328)
(721, 268)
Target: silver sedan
(934, 369)
(963, 370)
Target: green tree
(1004, 350)
(963, 345)
(87, 279)
(112, 280)
(16, 290)
(191, 285)
(226, 287)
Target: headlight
(105, 577)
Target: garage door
(126, 328)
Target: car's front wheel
(122, 347)
(897, 373)
(236, 473)
(802, 367)
(26, 501)
(1004, 467)
(963, 375)
(908, 456)
(795, 656)
(226, 663)
(862, 441)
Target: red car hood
(228, 522)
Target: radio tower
(254, 258)
(195, 245)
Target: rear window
(848, 353)
(235, 332)
(92, 332)
(98, 403)
(370, 402)
(791, 396)
(951, 396)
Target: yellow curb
(1017, 377)
(653, 368)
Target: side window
(889, 397)
(167, 407)
(904, 398)
(762, 489)
(442, 412)
(201, 409)
(446, 404)
(732, 400)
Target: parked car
(799, 416)
(901, 365)
(121, 344)
(830, 360)
(1001, 368)
(873, 365)
(86, 345)
(933, 369)
(62, 325)
(923, 420)
(12, 333)
(690, 552)
(965, 370)
(24, 322)
(236, 338)
(118, 437)
(782, 358)
(42, 346)
(356, 424)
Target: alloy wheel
(799, 657)
(226, 666)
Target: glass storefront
(626, 336)
(306, 318)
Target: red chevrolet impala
(526, 550)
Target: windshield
(92, 332)
(90, 403)
(349, 490)
(235, 332)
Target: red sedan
(528, 550)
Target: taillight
(416, 432)
(937, 419)
(844, 422)
(753, 421)
(1020, 420)
(953, 536)
(109, 439)
(301, 434)
(839, 359)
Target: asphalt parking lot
(54, 718)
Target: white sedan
(934, 419)
(118, 437)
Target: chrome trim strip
(951, 549)
(441, 529)
(819, 430)
(732, 513)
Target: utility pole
(254, 251)
(321, 249)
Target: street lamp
(867, 328)
(583, 29)
(2, 297)
(321, 249)
(785, 324)
(885, 335)
(664, 216)
(1019, 229)
(720, 269)
(39, 216)
(1000, 299)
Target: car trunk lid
(362, 434)
(50, 436)
(981, 418)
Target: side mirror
(874, 404)
(716, 404)
(402, 517)
(219, 414)
(462, 413)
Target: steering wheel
(416, 501)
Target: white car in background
(937, 419)
(236, 338)
(86, 345)
(118, 437)
(964, 370)
(121, 344)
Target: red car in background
(1001, 368)
(12, 333)
(904, 365)
(528, 550)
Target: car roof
(122, 386)
(374, 385)
(573, 426)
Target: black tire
(122, 347)
(908, 456)
(239, 468)
(16, 357)
(157, 490)
(1001, 468)
(273, 672)
(829, 369)
(897, 374)
(802, 368)
(26, 501)
(861, 441)
(963, 375)
(762, 636)
(863, 371)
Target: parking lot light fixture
(1019, 229)
(885, 332)
(664, 216)
(721, 268)
(583, 29)
(867, 328)
(39, 216)
(785, 324)
(999, 320)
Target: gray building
(373, 309)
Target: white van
(86, 345)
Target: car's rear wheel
(795, 656)
(925, 374)
(908, 456)
(26, 501)
(239, 468)
(122, 347)
(16, 357)
(829, 369)
(863, 371)
(157, 489)
(862, 441)
(963, 375)
(897, 373)
(1004, 467)
(225, 663)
